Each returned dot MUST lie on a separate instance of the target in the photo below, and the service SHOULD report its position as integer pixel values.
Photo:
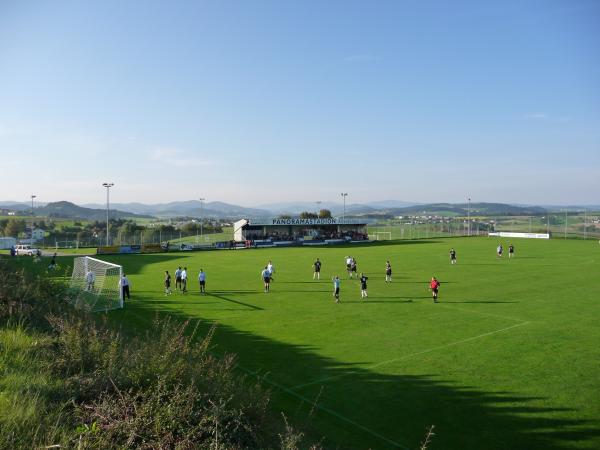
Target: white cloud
(179, 158)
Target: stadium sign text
(298, 221)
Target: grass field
(508, 360)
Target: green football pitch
(509, 358)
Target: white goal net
(383, 235)
(95, 284)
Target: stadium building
(295, 231)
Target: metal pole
(201, 216)
(107, 186)
(32, 215)
(344, 195)
(469, 218)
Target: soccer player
(202, 281)
(511, 251)
(124, 285)
(184, 280)
(266, 276)
(317, 269)
(434, 285)
(178, 279)
(271, 270)
(452, 256)
(363, 285)
(353, 269)
(168, 290)
(90, 279)
(336, 288)
(388, 272)
(52, 264)
(499, 251)
(349, 266)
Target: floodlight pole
(469, 217)
(107, 186)
(32, 215)
(201, 215)
(344, 195)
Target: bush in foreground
(68, 379)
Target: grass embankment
(68, 379)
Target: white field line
(325, 409)
(291, 391)
(301, 397)
(401, 358)
(479, 312)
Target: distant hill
(70, 210)
(337, 209)
(477, 209)
(14, 206)
(227, 211)
(190, 208)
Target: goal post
(383, 235)
(95, 284)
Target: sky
(269, 101)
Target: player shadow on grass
(382, 403)
(237, 302)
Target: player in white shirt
(271, 270)
(349, 261)
(124, 285)
(184, 280)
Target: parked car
(23, 249)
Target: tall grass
(67, 379)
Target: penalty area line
(401, 358)
(305, 399)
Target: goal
(95, 284)
(383, 235)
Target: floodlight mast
(201, 216)
(344, 195)
(32, 215)
(107, 186)
(469, 218)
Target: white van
(25, 250)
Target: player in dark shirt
(317, 269)
(388, 272)
(452, 256)
(168, 290)
(363, 285)
(511, 251)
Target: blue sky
(268, 101)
